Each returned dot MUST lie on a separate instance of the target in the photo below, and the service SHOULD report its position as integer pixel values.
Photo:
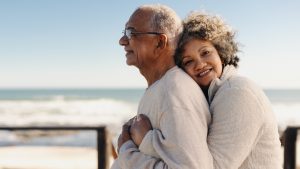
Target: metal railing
(103, 141)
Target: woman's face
(201, 61)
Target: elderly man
(174, 103)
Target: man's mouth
(128, 52)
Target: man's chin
(130, 63)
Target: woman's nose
(200, 64)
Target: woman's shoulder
(242, 88)
(241, 83)
(244, 95)
(239, 87)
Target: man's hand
(139, 128)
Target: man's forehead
(138, 18)
(141, 13)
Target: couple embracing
(196, 112)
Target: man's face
(140, 47)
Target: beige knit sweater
(244, 132)
(179, 113)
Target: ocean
(110, 107)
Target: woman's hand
(125, 134)
(139, 128)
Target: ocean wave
(110, 112)
(287, 114)
(61, 111)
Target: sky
(74, 43)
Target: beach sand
(42, 157)
(57, 157)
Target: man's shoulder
(183, 93)
(177, 81)
(177, 76)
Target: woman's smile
(204, 73)
(202, 61)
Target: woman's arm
(236, 127)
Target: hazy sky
(74, 43)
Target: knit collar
(228, 71)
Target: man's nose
(123, 41)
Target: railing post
(290, 148)
(103, 146)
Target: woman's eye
(205, 52)
(187, 63)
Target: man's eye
(132, 33)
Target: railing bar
(102, 136)
(53, 128)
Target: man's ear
(162, 41)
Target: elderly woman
(243, 133)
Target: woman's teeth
(203, 73)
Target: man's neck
(156, 71)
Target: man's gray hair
(165, 20)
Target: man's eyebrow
(130, 27)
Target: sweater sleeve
(236, 126)
(146, 145)
(179, 143)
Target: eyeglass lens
(127, 33)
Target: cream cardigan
(244, 132)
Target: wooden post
(104, 148)
(290, 148)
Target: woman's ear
(223, 64)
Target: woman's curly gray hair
(200, 25)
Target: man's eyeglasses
(129, 33)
